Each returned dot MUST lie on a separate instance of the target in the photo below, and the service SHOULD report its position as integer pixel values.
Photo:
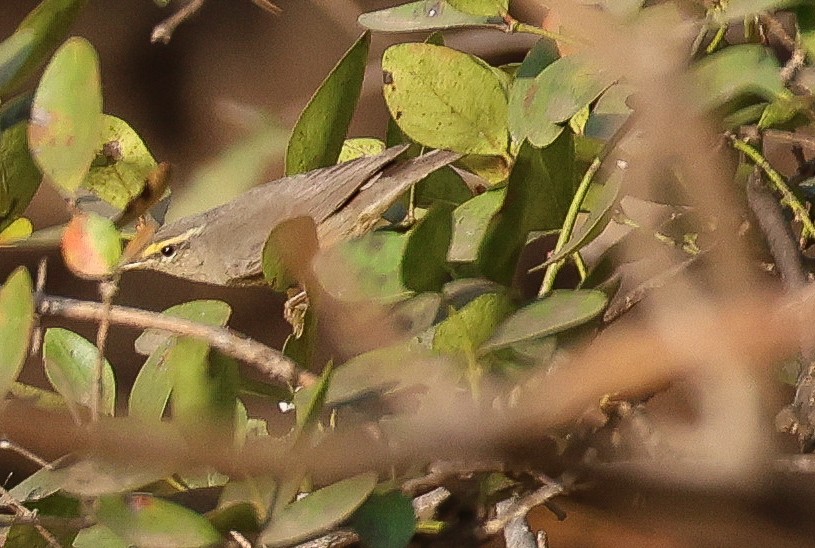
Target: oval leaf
(558, 92)
(91, 246)
(98, 535)
(66, 116)
(70, 361)
(317, 137)
(19, 176)
(154, 383)
(385, 520)
(481, 7)
(425, 15)
(16, 324)
(470, 222)
(318, 512)
(558, 311)
(121, 165)
(736, 71)
(424, 263)
(539, 192)
(443, 98)
(148, 521)
(363, 269)
(38, 34)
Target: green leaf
(596, 221)
(15, 110)
(70, 361)
(385, 520)
(425, 15)
(416, 314)
(782, 110)
(494, 169)
(359, 147)
(88, 478)
(470, 222)
(148, 521)
(385, 369)
(610, 113)
(558, 311)
(735, 71)
(258, 493)
(121, 165)
(18, 230)
(205, 311)
(363, 269)
(805, 17)
(558, 92)
(309, 403)
(66, 116)
(99, 536)
(318, 512)
(481, 7)
(16, 325)
(424, 263)
(318, 135)
(19, 176)
(43, 29)
(443, 98)
(154, 383)
(443, 185)
(538, 196)
(465, 330)
(204, 389)
(288, 251)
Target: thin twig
(517, 533)
(797, 53)
(777, 181)
(107, 290)
(163, 32)
(568, 226)
(20, 511)
(8, 445)
(272, 363)
(521, 508)
(780, 240)
(39, 288)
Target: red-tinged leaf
(91, 246)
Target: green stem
(513, 25)
(717, 40)
(568, 226)
(580, 263)
(788, 198)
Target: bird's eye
(168, 251)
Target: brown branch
(163, 32)
(522, 507)
(272, 363)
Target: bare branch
(272, 363)
(163, 32)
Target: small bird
(223, 246)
